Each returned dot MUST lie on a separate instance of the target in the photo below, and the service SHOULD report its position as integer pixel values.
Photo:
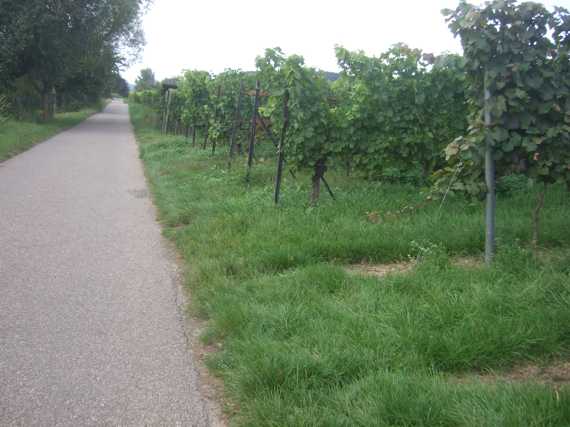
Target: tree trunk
(54, 103)
(319, 172)
(193, 136)
(251, 147)
(46, 106)
(536, 218)
(239, 148)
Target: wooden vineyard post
(328, 187)
(490, 181)
(205, 143)
(163, 115)
(251, 148)
(281, 147)
(167, 112)
(536, 218)
(169, 100)
(319, 171)
(239, 145)
(216, 117)
(236, 124)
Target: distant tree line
(65, 53)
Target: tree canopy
(146, 80)
(71, 47)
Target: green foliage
(120, 87)
(145, 80)
(401, 110)
(150, 98)
(204, 101)
(388, 117)
(72, 48)
(313, 131)
(392, 117)
(194, 93)
(512, 184)
(520, 53)
(224, 92)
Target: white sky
(213, 35)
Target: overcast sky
(213, 35)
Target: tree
(146, 80)
(120, 86)
(57, 44)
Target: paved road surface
(91, 332)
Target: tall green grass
(305, 343)
(17, 136)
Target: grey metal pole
(490, 181)
(236, 123)
(167, 114)
(281, 147)
(253, 130)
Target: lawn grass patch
(303, 342)
(17, 136)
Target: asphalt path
(92, 331)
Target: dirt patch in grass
(557, 374)
(381, 270)
(468, 262)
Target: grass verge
(302, 342)
(18, 136)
